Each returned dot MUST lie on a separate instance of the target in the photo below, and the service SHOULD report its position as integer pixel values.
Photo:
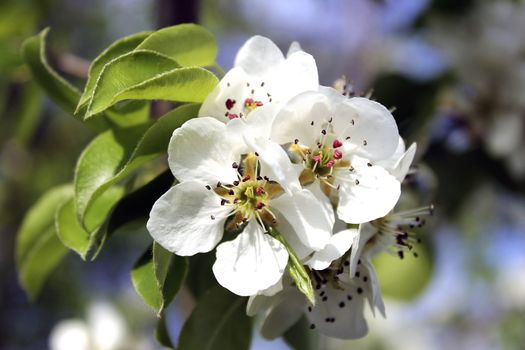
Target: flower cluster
(280, 172)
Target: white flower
(104, 330)
(337, 141)
(339, 307)
(262, 77)
(222, 184)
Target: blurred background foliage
(453, 70)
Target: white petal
(373, 132)
(345, 307)
(275, 163)
(372, 290)
(200, 150)
(402, 166)
(298, 73)
(181, 220)
(295, 119)
(251, 263)
(231, 87)
(366, 231)
(311, 221)
(338, 245)
(294, 47)
(284, 314)
(390, 163)
(259, 303)
(288, 231)
(367, 193)
(258, 55)
(266, 299)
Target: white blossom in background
(104, 329)
(262, 77)
(485, 50)
(223, 182)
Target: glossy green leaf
(73, 235)
(118, 48)
(159, 78)
(296, 269)
(124, 72)
(100, 161)
(114, 154)
(130, 113)
(178, 85)
(188, 44)
(38, 249)
(60, 91)
(218, 322)
(157, 277)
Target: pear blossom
(225, 186)
(343, 275)
(261, 78)
(336, 143)
(339, 308)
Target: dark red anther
(248, 101)
(330, 164)
(246, 178)
(316, 159)
(259, 206)
(338, 154)
(232, 116)
(336, 143)
(230, 103)
(259, 191)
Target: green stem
(295, 268)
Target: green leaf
(157, 277)
(295, 268)
(38, 249)
(118, 48)
(301, 337)
(161, 332)
(188, 44)
(178, 85)
(73, 235)
(201, 279)
(28, 112)
(218, 322)
(158, 78)
(133, 206)
(60, 91)
(114, 154)
(100, 161)
(39, 219)
(40, 262)
(124, 72)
